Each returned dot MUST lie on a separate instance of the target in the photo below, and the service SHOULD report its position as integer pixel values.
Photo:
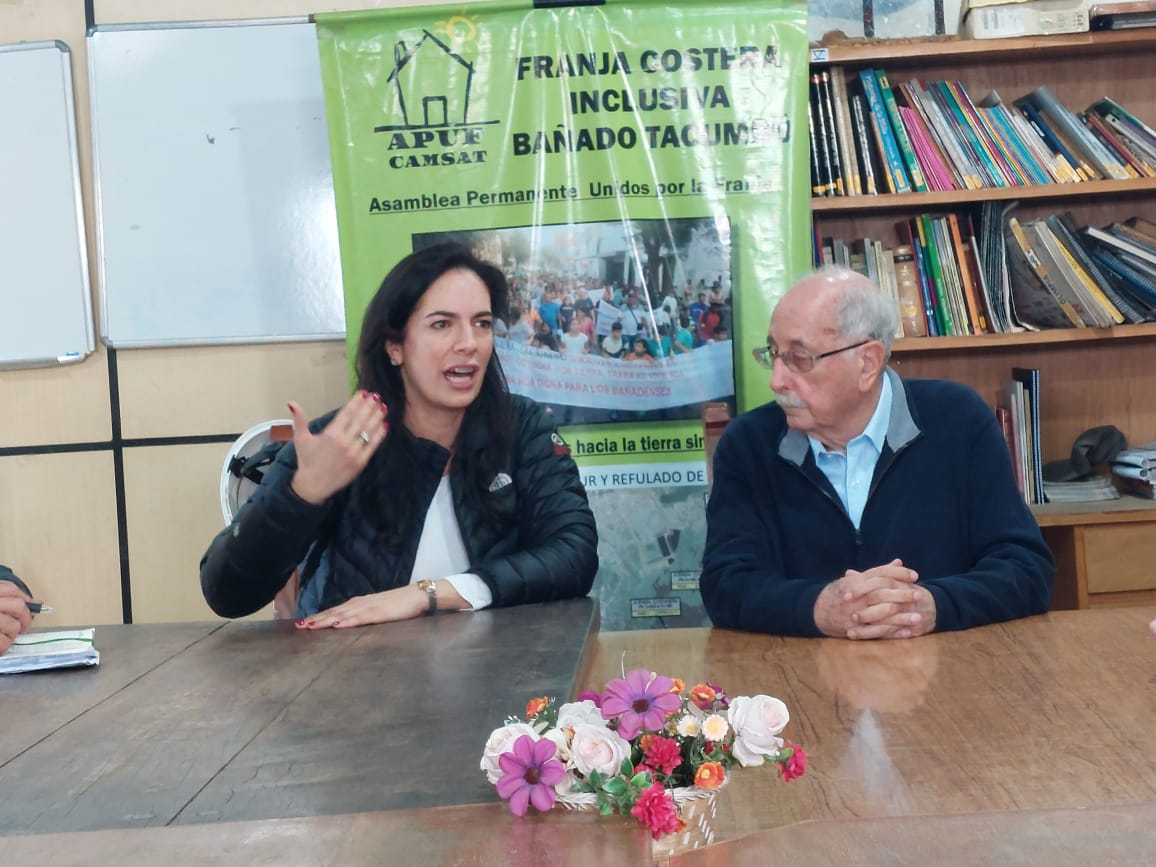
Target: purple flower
(531, 772)
(591, 695)
(640, 701)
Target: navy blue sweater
(943, 499)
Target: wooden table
(1035, 735)
(243, 721)
(1052, 712)
(1100, 836)
(475, 836)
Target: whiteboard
(215, 213)
(45, 301)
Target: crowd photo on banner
(609, 321)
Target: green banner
(639, 170)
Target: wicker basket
(698, 808)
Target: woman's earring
(394, 362)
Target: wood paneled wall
(79, 529)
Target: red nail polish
(376, 397)
(364, 394)
(300, 622)
(336, 623)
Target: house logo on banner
(431, 88)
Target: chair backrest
(715, 417)
(240, 476)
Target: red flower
(662, 754)
(655, 809)
(795, 765)
(535, 706)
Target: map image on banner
(652, 541)
(614, 321)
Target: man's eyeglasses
(797, 360)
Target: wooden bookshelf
(902, 53)
(1106, 552)
(1126, 510)
(1026, 338)
(1059, 194)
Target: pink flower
(719, 695)
(655, 809)
(590, 695)
(531, 772)
(795, 765)
(662, 755)
(641, 700)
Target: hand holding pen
(15, 613)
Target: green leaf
(605, 810)
(615, 786)
(641, 779)
(627, 767)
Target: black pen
(39, 608)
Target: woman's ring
(364, 437)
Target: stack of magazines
(1082, 491)
(37, 651)
(1135, 468)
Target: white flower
(757, 721)
(561, 739)
(502, 741)
(578, 712)
(688, 726)
(566, 787)
(596, 748)
(715, 728)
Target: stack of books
(953, 275)
(869, 137)
(1063, 275)
(1135, 470)
(1018, 413)
(1082, 491)
(1125, 15)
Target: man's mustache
(790, 401)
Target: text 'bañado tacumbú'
(758, 132)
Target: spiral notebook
(38, 651)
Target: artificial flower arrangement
(630, 748)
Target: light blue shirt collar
(850, 473)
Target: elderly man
(859, 504)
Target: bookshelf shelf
(926, 52)
(1126, 510)
(1026, 338)
(1088, 376)
(961, 198)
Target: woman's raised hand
(330, 460)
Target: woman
(574, 342)
(432, 488)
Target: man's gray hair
(864, 311)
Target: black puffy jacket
(541, 545)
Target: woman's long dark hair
(384, 487)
